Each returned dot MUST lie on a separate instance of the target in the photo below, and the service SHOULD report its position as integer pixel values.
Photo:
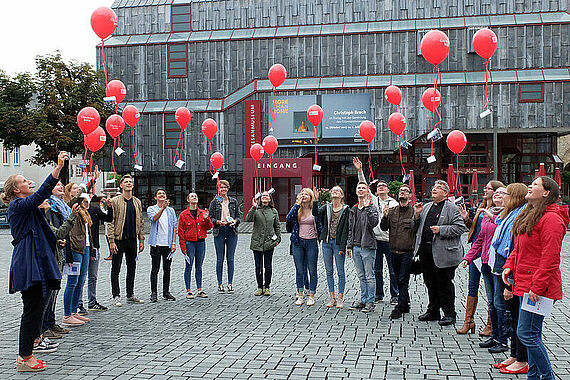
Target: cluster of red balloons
(88, 120)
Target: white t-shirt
(162, 236)
(87, 243)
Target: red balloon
(115, 125)
(209, 128)
(103, 22)
(367, 130)
(256, 151)
(277, 74)
(397, 123)
(182, 117)
(435, 46)
(95, 140)
(485, 43)
(131, 115)
(315, 114)
(456, 141)
(270, 144)
(88, 120)
(431, 99)
(217, 160)
(117, 89)
(393, 95)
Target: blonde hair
(225, 183)
(9, 186)
(302, 209)
(67, 192)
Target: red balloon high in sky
(209, 128)
(95, 140)
(315, 114)
(131, 115)
(103, 22)
(393, 95)
(117, 89)
(431, 99)
(397, 123)
(277, 74)
(435, 46)
(367, 130)
(456, 141)
(88, 120)
(270, 144)
(485, 43)
(256, 151)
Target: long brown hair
(529, 217)
(485, 204)
(517, 193)
(9, 186)
(67, 192)
(301, 209)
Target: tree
(59, 91)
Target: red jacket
(535, 260)
(190, 229)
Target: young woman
(306, 229)
(226, 217)
(193, 225)
(265, 237)
(81, 249)
(334, 218)
(500, 249)
(474, 274)
(480, 247)
(34, 263)
(535, 264)
(71, 190)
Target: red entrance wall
(280, 168)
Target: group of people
(515, 235)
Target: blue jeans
(305, 256)
(495, 298)
(364, 263)
(474, 279)
(383, 249)
(91, 282)
(529, 331)
(196, 251)
(75, 283)
(225, 244)
(330, 253)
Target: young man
(381, 199)
(362, 219)
(439, 226)
(402, 240)
(162, 241)
(123, 231)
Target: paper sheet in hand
(187, 259)
(72, 269)
(542, 307)
(478, 263)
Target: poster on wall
(343, 113)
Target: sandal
(21, 365)
(332, 302)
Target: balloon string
(439, 116)
(256, 179)
(431, 129)
(210, 144)
(401, 162)
(134, 146)
(85, 176)
(272, 111)
(399, 108)
(486, 84)
(178, 146)
(91, 165)
(104, 62)
(371, 175)
(113, 155)
(316, 154)
(458, 178)
(119, 141)
(270, 172)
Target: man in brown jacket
(402, 241)
(127, 226)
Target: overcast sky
(38, 27)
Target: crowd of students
(515, 235)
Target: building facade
(213, 57)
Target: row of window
(11, 156)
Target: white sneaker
(310, 301)
(299, 301)
(117, 301)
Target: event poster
(343, 114)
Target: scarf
(503, 237)
(59, 205)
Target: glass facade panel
(403, 25)
(354, 82)
(287, 31)
(556, 74)
(308, 83)
(530, 75)
(242, 33)
(502, 20)
(138, 40)
(264, 32)
(360, 27)
(504, 76)
(331, 29)
(379, 26)
(430, 23)
(309, 29)
(530, 18)
(454, 22)
(334, 82)
(158, 38)
(221, 35)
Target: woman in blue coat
(33, 260)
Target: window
(171, 132)
(16, 155)
(177, 61)
(5, 156)
(78, 172)
(531, 93)
(181, 18)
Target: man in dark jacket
(362, 241)
(402, 240)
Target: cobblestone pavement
(240, 336)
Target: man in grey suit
(439, 227)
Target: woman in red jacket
(193, 225)
(535, 264)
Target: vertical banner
(252, 124)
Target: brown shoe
(110, 257)
(469, 324)
(488, 329)
(60, 330)
(49, 333)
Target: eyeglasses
(382, 185)
(501, 193)
(404, 191)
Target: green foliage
(43, 109)
(566, 176)
(394, 187)
(324, 196)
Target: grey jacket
(446, 248)
(368, 218)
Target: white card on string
(179, 164)
(485, 113)
(406, 178)
(138, 167)
(435, 135)
(216, 175)
(119, 151)
(271, 191)
(258, 195)
(431, 159)
(317, 167)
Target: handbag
(416, 267)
